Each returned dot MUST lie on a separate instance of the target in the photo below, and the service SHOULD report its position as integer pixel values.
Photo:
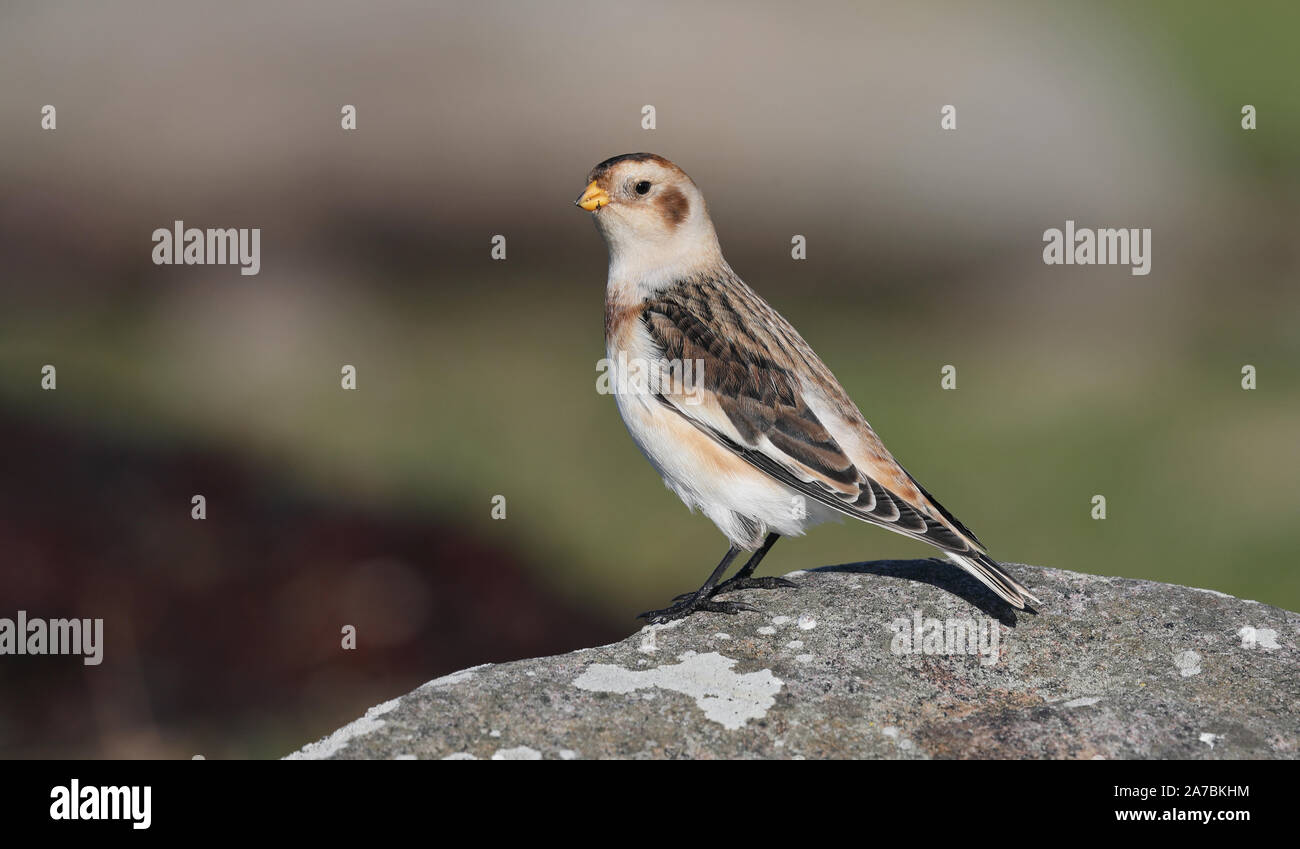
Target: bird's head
(651, 214)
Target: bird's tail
(992, 575)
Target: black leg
(742, 580)
(700, 599)
(755, 559)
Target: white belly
(742, 501)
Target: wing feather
(765, 418)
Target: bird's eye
(642, 187)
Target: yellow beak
(593, 198)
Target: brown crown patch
(603, 168)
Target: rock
(847, 666)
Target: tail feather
(992, 575)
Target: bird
(759, 436)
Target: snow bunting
(767, 443)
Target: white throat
(640, 268)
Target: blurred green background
(477, 378)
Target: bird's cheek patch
(674, 207)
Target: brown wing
(751, 357)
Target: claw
(754, 584)
(744, 584)
(728, 607)
(686, 608)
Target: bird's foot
(692, 603)
(728, 586)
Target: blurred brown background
(477, 378)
